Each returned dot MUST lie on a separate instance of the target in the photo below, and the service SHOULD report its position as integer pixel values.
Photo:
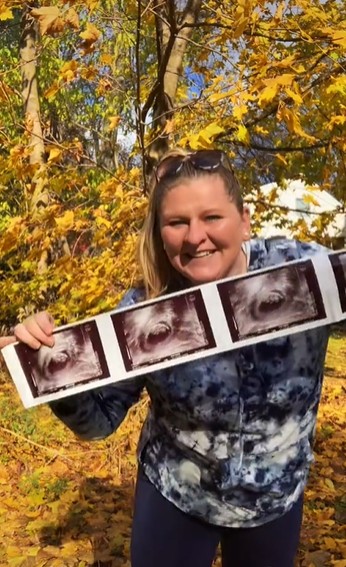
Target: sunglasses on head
(206, 160)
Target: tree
(118, 83)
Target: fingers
(4, 341)
(36, 330)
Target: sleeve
(97, 413)
(282, 249)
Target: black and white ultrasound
(268, 302)
(71, 361)
(161, 331)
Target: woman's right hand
(36, 330)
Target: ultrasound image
(72, 360)
(269, 301)
(162, 330)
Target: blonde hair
(157, 271)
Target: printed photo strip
(163, 330)
(76, 358)
(338, 262)
(279, 299)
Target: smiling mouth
(204, 254)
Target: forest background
(92, 93)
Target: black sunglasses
(206, 160)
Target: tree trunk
(28, 56)
(172, 34)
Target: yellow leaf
(5, 13)
(91, 34)
(210, 132)
(169, 127)
(114, 122)
(101, 221)
(36, 499)
(328, 482)
(279, 11)
(310, 199)
(52, 90)
(72, 18)
(337, 86)
(219, 96)
(106, 59)
(48, 17)
(292, 122)
(243, 134)
(283, 80)
(5, 91)
(239, 111)
(339, 37)
(54, 155)
(241, 25)
(12, 551)
(16, 561)
(338, 119)
(330, 544)
(32, 551)
(66, 221)
(268, 94)
(281, 158)
(69, 71)
(294, 96)
(69, 550)
(92, 4)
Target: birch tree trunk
(173, 30)
(28, 59)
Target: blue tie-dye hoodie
(227, 438)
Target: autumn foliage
(91, 94)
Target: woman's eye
(211, 218)
(177, 222)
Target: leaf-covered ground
(68, 503)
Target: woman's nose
(196, 233)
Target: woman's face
(203, 231)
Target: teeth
(201, 254)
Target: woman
(225, 449)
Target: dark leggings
(163, 536)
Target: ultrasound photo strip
(182, 327)
(284, 297)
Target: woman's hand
(4, 341)
(36, 330)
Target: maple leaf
(90, 35)
(71, 17)
(49, 19)
(5, 13)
